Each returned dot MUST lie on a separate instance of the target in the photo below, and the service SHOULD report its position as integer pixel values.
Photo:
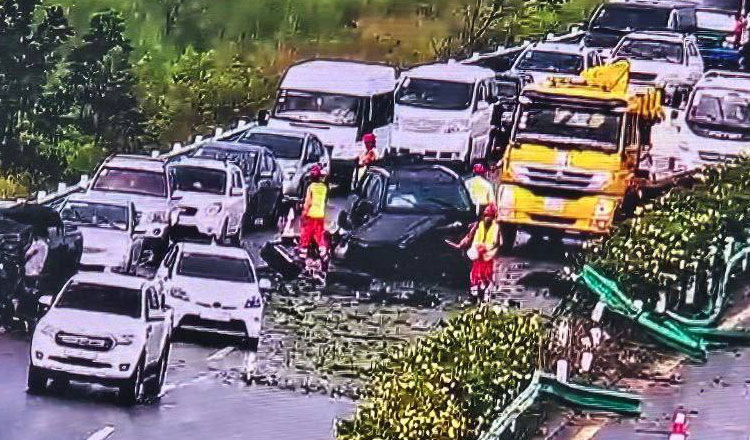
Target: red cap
(316, 172)
(490, 211)
(479, 168)
(368, 138)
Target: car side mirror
(45, 300)
(263, 117)
(236, 192)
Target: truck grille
(419, 125)
(642, 77)
(93, 343)
(559, 178)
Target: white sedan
(212, 289)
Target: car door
(237, 202)
(382, 119)
(156, 314)
(266, 187)
(695, 63)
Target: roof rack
(726, 74)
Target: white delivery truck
(338, 101)
(443, 112)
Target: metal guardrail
(64, 190)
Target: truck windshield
(102, 299)
(624, 18)
(543, 61)
(719, 108)
(96, 214)
(720, 21)
(215, 267)
(319, 107)
(651, 50)
(435, 94)
(196, 179)
(131, 181)
(283, 147)
(578, 127)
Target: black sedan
(398, 219)
(262, 174)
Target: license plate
(83, 354)
(223, 316)
(552, 204)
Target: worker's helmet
(479, 168)
(490, 211)
(368, 139)
(316, 172)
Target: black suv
(611, 21)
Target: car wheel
(36, 381)
(252, 343)
(131, 391)
(269, 222)
(236, 239)
(155, 384)
(508, 232)
(224, 235)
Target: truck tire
(508, 232)
(131, 390)
(36, 381)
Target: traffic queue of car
(140, 214)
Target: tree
(101, 84)
(30, 37)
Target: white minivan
(338, 101)
(443, 112)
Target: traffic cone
(288, 231)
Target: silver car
(295, 151)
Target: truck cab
(574, 154)
(444, 111)
(338, 101)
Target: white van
(443, 112)
(338, 101)
(715, 126)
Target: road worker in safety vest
(480, 189)
(482, 241)
(312, 226)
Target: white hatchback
(212, 289)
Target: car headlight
(456, 126)
(176, 292)
(125, 339)
(156, 217)
(253, 303)
(604, 207)
(213, 209)
(49, 330)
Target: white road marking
(102, 434)
(735, 319)
(588, 432)
(221, 354)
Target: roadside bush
(452, 383)
(678, 244)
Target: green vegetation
(84, 79)
(452, 383)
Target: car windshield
(325, 108)
(578, 127)
(103, 299)
(96, 214)
(650, 50)
(428, 191)
(435, 94)
(283, 147)
(721, 109)
(242, 158)
(196, 179)
(716, 21)
(150, 183)
(623, 18)
(543, 61)
(215, 267)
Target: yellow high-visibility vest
(317, 193)
(480, 190)
(485, 236)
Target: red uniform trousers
(312, 230)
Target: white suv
(208, 196)
(104, 328)
(213, 289)
(664, 59)
(540, 60)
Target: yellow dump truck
(574, 153)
